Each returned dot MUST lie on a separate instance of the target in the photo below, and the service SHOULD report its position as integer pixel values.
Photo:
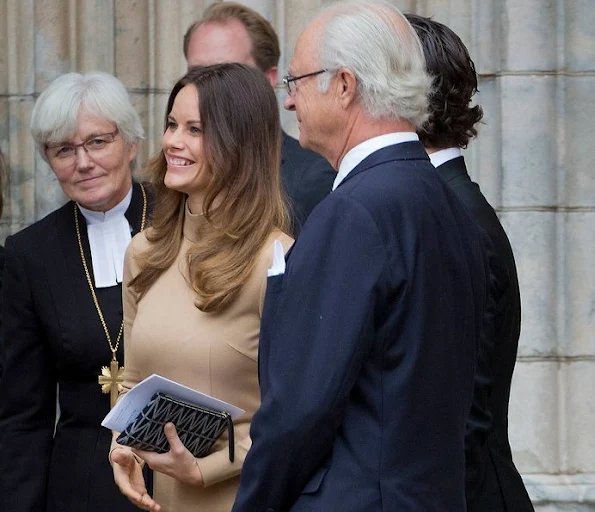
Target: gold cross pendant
(111, 380)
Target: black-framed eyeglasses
(288, 80)
(66, 153)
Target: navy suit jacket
(493, 482)
(307, 179)
(368, 348)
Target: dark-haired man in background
(232, 32)
(493, 483)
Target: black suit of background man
(491, 474)
(307, 179)
(493, 483)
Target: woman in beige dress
(194, 282)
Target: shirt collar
(109, 235)
(363, 150)
(93, 217)
(444, 155)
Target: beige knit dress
(215, 353)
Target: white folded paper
(132, 403)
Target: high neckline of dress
(192, 224)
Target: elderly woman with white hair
(62, 303)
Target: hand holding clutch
(177, 462)
(198, 427)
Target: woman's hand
(178, 462)
(128, 475)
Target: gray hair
(55, 114)
(386, 57)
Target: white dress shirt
(358, 153)
(444, 155)
(109, 236)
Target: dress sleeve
(27, 391)
(129, 305)
(217, 467)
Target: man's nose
(288, 102)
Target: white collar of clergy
(109, 236)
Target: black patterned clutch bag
(198, 427)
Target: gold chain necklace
(111, 378)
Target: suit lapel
(134, 213)
(72, 271)
(68, 246)
(68, 286)
(413, 150)
(452, 169)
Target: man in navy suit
(369, 336)
(232, 32)
(493, 483)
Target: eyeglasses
(65, 154)
(288, 80)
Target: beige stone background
(534, 159)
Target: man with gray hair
(370, 327)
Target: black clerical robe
(55, 346)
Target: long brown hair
(241, 147)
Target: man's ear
(346, 86)
(273, 75)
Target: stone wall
(534, 159)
